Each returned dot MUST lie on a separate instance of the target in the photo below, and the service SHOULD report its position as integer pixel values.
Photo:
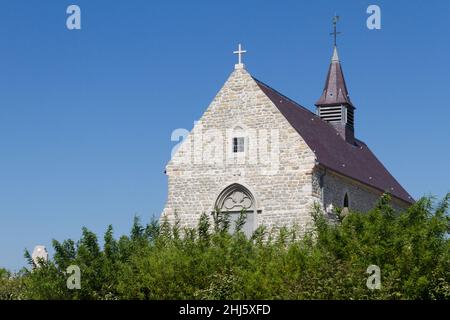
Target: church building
(255, 149)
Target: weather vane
(335, 33)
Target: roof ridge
(300, 106)
(286, 97)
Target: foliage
(10, 286)
(164, 261)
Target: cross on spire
(335, 32)
(239, 52)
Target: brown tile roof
(333, 152)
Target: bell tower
(334, 105)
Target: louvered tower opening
(350, 118)
(337, 114)
(331, 114)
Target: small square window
(238, 144)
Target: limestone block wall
(360, 196)
(276, 167)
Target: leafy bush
(163, 261)
(10, 286)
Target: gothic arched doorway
(234, 199)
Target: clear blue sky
(86, 116)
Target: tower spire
(334, 105)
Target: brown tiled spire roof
(335, 91)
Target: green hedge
(162, 261)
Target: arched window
(234, 199)
(345, 207)
(345, 201)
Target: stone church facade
(257, 150)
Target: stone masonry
(283, 197)
(277, 168)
